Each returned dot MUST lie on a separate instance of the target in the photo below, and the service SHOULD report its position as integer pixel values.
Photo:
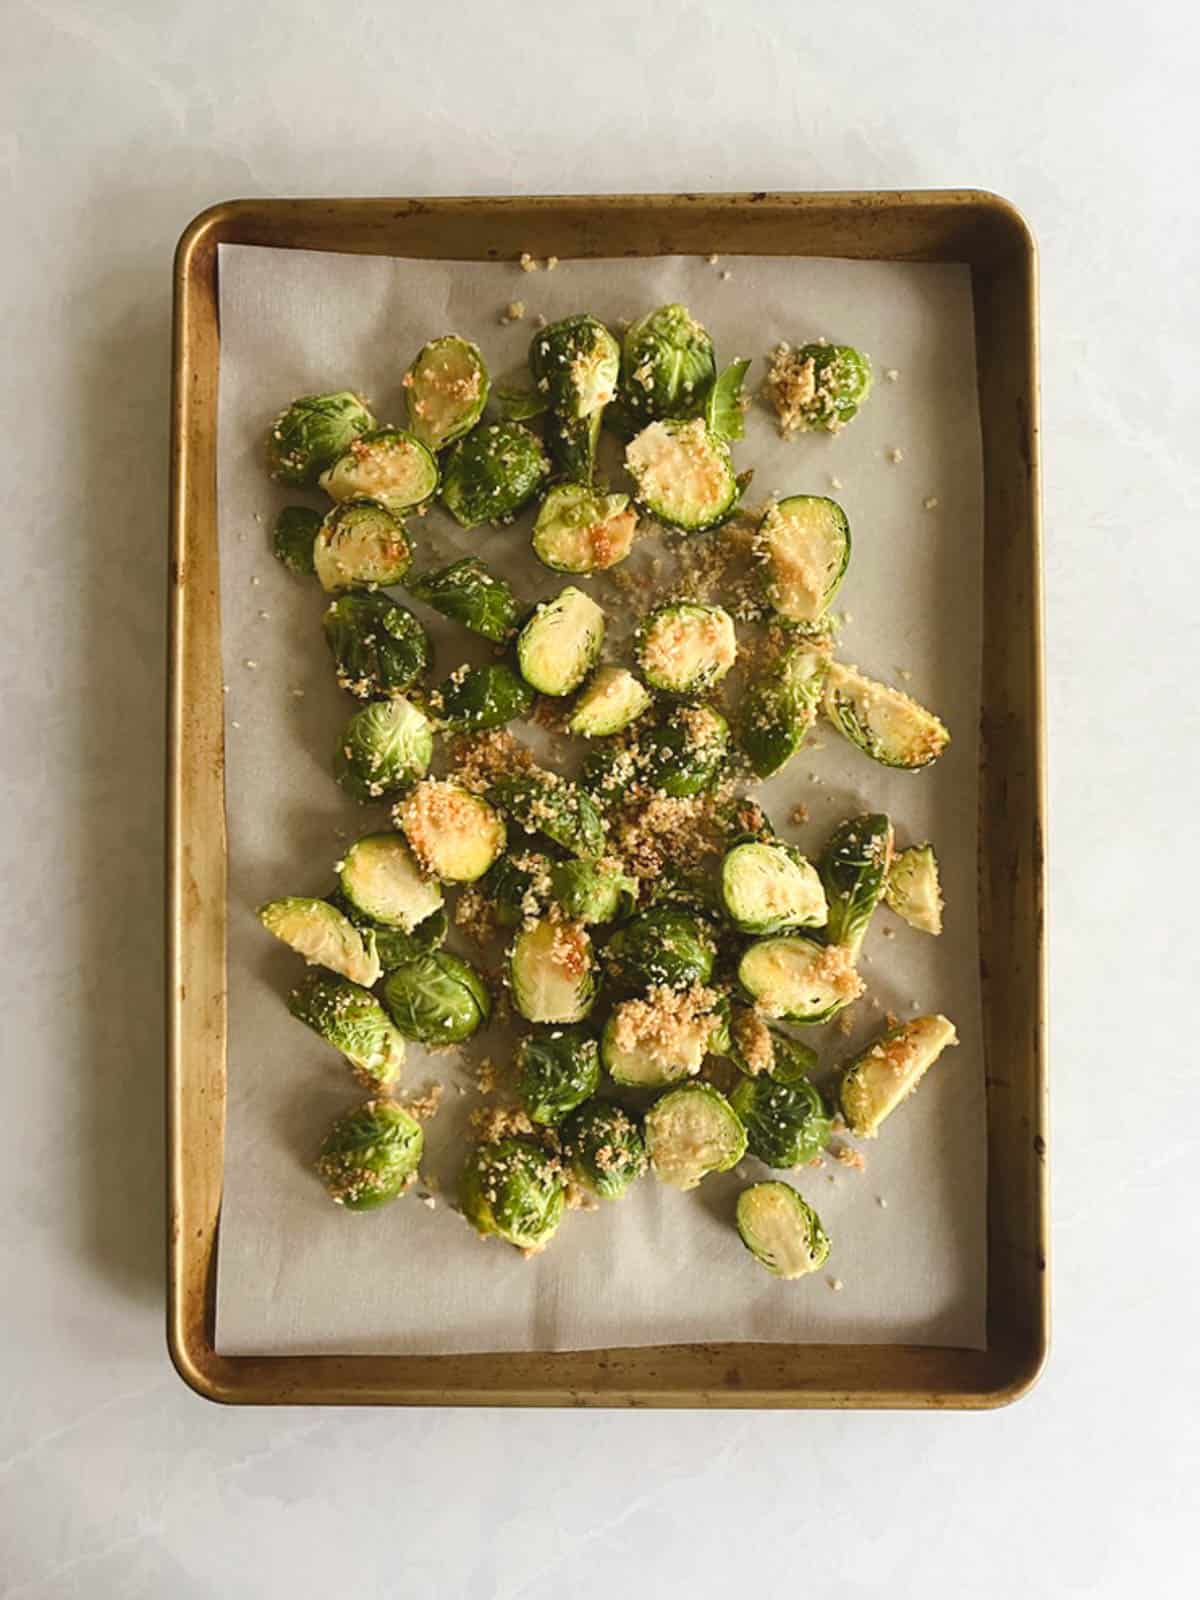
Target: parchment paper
(298, 1275)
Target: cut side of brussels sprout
(611, 700)
(913, 888)
(682, 753)
(384, 746)
(436, 998)
(854, 869)
(766, 888)
(371, 1156)
(542, 802)
(387, 465)
(380, 877)
(592, 891)
(780, 1230)
(885, 724)
(667, 365)
(803, 543)
(323, 936)
(296, 530)
(473, 699)
(379, 648)
(818, 387)
(557, 1070)
(683, 473)
(578, 530)
(445, 390)
(454, 834)
(360, 545)
(603, 1148)
(514, 1189)
(311, 433)
(469, 594)
(786, 1123)
(690, 1132)
(780, 706)
(797, 979)
(665, 947)
(661, 1039)
(888, 1071)
(558, 646)
(575, 363)
(349, 1018)
(686, 648)
(491, 473)
(552, 973)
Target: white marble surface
(118, 121)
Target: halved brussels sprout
(296, 529)
(888, 1071)
(803, 543)
(311, 433)
(885, 724)
(491, 473)
(787, 1124)
(818, 387)
(592, 891)
(518, 887)
(322, 935)
(575, 364)
(725, 408)
(545, 803)
(552, 972)
(557, 1070)
(682, 753)
(437, 998)
(780, 1230)
(475, 698)
(558, 646)
(780, 706)
(663, 1038)
(371, 1156)
(603, 1148)
(758, 1048)
(797, 979)
(514, 1189)
(379, 649)
(612, 699)
(360, 545)
(667, 365)
(913, 889)
(854, 869)
(395, 945)
(665, 947)
(683, 474)
(349, 1018)
(380, 877)
(690, 1132)
(684, 648)
(578, 530)
(445, 389)
(766, 888)
(387, 465)
(468, 593)
(384, 746)
(454, 834)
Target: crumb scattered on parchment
(798, 814)
(895, 455)
(930, 502)
(298, 694)
(527, 262)
(890, 1018)
(846, 1157)
(513, 312)
(836, 483)
(490, 1123)
(713, 259)
(881, 1202)
(844, 1024)
(892, 374)
(251, 664)
(424, 1106)
(835, 1284)
(889, 933)
(726, 275)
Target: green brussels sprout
(780, 706)
(690, 1132)
(349, 1018)
(557, 1070)
(803, 545)
(395, 946)
(854, 869)
(559, 645)
(757, 1048)
(445, 389)
(436, 998)
(379, 649)
(515, 402)
(383, 747)
(454, 834)
(360, 545)
(545, 803)
(475, 698)
(514, 1189)
(518, 887)
(380, 877)
(575, 364)
(683, 474)
(662, 947)
(296, 529)
(611, 700)
(684, 648)
(322, 935)
(592, 891)
(781, 1231)
(387, 465)
(578, 530)
(663, 1037)
(787, 1124)
(667, 366)
(889, 1070)
(311, 433)
(819, 387)
(469, 594)
(603, 1148)
(913, 889)
(552, 972)
(492, 473)
(769, 887)
(371, 1156)
(885, 724)
(682, 753)
(725, 408)
(797, 979)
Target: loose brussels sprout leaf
(786, 1124)
(603, 1148)
(379, 648)
(572, 443)
(797, 979)
(913, 889)
(349, 1018)
(854, 869)
(888, 1071)
(446, 389)
(781, 1230)
(803, 543)
(663, 1038)
(552, 973)
(558, 646)
(388, 465)
(475, 698)
(683, 474)
(557, 1070)
(682, 753)
(437, 998)
(667, 366)
(383, 747)
(757, 1048)
(543, 802)
(780, 706)
(492, 473)
(454, 834)
(514, 1189)
(818, 387)
(518, 887)
(885, 724)
(515, 403)
(578, 530)
(380, 877)
(323, 936)
(661, 947)
(690, 1132)
(394, 945)
(592, 891)
(296, 529)
(312, 433)
(371, 1156)
(725, 409)
(468, 593)
(611, 700)
(360, 545)
(575, 363)
(684, 648)
(766, 888)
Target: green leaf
(723, 410)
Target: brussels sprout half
(603, 1148)
(454, 834)
(387, 465)
(682, 753)
(797, 979)
(780, 706)
(819, 387)
(663, 947)
(767, 887)
(371, 1156)
(683, 474)
(690, 1132)
(575, 364)
(578, 530)
(395, 946)
(557, 1070)
(661, 1039)
(323, 936)
(445, 390)
(296, 529)
(558, 646)
(476, 698)
(552, 973)
(913, 889)
(491, 473)
(786, 1124)
(592, 891)
(311, 433)
(379, 649)
(514, 1189)
(888, 1071)
(349, 1018)
(436, 998)
(360, 545)
(781, 1231)
(803, 543)
(854, 869)
(685, 648)
(885, 724)
(383, 747)
(611, 700)
(380, 877)
(667, 365)
(543, 802)
(469, 594)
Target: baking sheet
(298, 1276)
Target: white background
(118, 122)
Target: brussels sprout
(786, 1124)
(797, 979)
(575, 363)
(611, 700)
(379, 648)
(885, 724)
(514, 1189)
(725, 408)
(349, 1018)
(558, 646)
(913, 889)
(756, 1048)
(683, 474)
(296, 529)
(323, 936)
(394, 945)
(683, 752)
(371, 1156)
(780, 1230)
(690, 1132)
(360, 545)
(445, 389)
(543, 802)
(492, 473)
(468, 593)
(578, 530)
(454, 834)
(780, 706)
(663, 946)
(383, 747)
(437, 998)
(312, 433)
(803, 543)
(552, 972)
(380, 877)
(667, 365)
(513, 402)
(518, 887)
(888, 1071)
(818, 387)
(663, 1038)
(854, 869)
(475, 698)
(592, 891)
(603, 1148)
(684, 648)
(766, 888)
(387, 465)
(557, 1070)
